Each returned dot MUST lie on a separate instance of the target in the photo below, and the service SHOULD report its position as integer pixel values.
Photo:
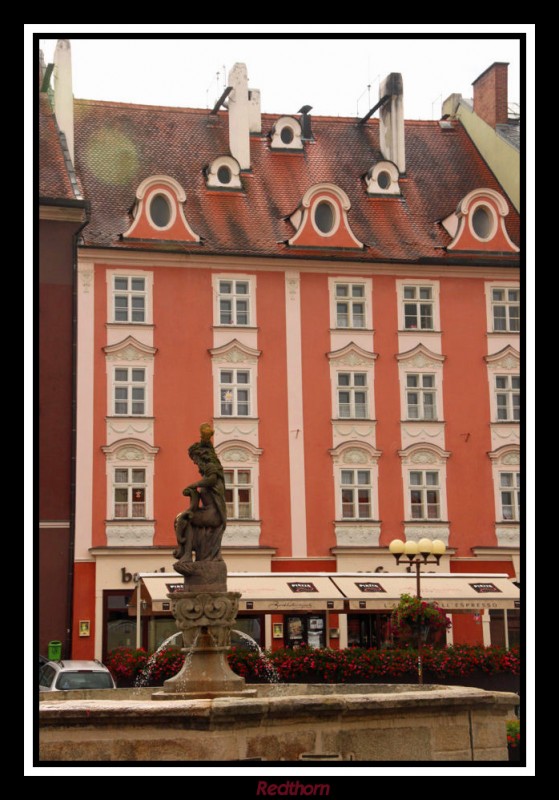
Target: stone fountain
(204, 610)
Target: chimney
(450, 106)
(63, 96)
(254, 115)
(391, 127)
(240, 116)
(491, 94)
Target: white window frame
(366, 300)
(234, 278)
(507, 303)
(420, 390)
(355, 455)
(132, 454)
(111, 276)
(506, 286)
(503, 364)
(514, 490)
(429, 482)
(235, 487)
(505, 459)
(352, 359)
(401, 285)
(129, 384)
(356, 486)
(352, 389)
(509, 393)
(129, 354)
(235, 386)
(421, 361)
(424, 457)
(131, 486)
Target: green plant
(513, 733)
(413, 616)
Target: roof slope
(118, 145)
(57, 180)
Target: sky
(336, 74)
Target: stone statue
(200, 528)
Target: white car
(64, 675)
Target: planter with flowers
(513, 739)
(414, 618)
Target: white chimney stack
(391, 127)
(239, 116)
(63, 95)
(255, 116)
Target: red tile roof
(54, 172)
(118, 145)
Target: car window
(46, 675)
(84, 680)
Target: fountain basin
(282, 723)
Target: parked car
(64, 675)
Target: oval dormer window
(224, 175)
(160, 211)
(287, 134)
(384, 180)
(324, 216)
(482, 222)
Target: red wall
(317, 413)
(275, 504)
(387, 407)
(84, 608)
(466, 629)
(182, 391)
(471, 507)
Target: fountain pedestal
(205, 619)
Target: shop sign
(175, 587)
(128, 577)
(484, 588)
(302, 587)
(370, 587)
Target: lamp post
(418, 553)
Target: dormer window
(321, 219)
(479, 223)
(286, 135)
(383, 179)
(224, 173)
(159, 212)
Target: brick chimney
(491, 94)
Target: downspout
(71, 548)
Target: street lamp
(418, 553)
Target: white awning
(452, 592)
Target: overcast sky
(333, 75)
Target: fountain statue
(204, 610)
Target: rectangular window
(506, 309)
(356, 493)
(420, 396)
(425, 500)
(510, 495)
(129, 493)
(352, 395)
(350, 305)
(129, 299)
(418, 308)
(234, 392)
(238, 493)
(234, 302)
(507, 390)
(130, 391)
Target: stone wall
(402, 723)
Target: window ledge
(426, 522)
(418, 330)
(234, 328)
(423, 421)
(357, 520)
(352, 330)
(505, 422)
(244, 520)
(127, 416)
(131, 324)
(503, 333)
(352, 419)
(130, 521)
(252, 419)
